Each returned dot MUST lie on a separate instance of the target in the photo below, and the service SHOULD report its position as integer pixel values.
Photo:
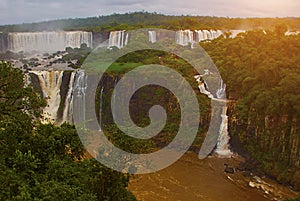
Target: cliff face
(3, 42)
(140, 104)
(273, 142)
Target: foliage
(46, 162)
(136, 20)
(262, 72)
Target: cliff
(269, 143)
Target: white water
(184, 37)
(79, 90)
(50, 82)
(223, 140)
(118, 39)
(221, 92)
(222, 148)
(152, 36)
(48, 41)
(202, 35)
(101, 110)
(234, 33)
(68, 107)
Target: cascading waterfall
(184, 37)
(50, 82)
(68, 107)
(221, 92)
(48, 41)
(79, 90)
(222, 147)
(234, 33)
(223, 141)
(152, 36)
(199, 35)
(101, 110)
(118, 39)
(202, 35)
(202, 88)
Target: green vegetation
(262, 72)
(46, 162)
(78, 54)
(146, 97)
(297, 199)
(135, 20)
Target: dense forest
(136, 20)
(261, 68)
(43, 161)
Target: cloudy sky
(20, 11)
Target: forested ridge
(145, 19)
(262, 72)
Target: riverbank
(194, 179)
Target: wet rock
(229, 169)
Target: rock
(229, 170)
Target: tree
(46, 162)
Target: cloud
(20, 11)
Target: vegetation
(297, 199)
(145, 98)
(46, 162)
(136, 20)
(262, 72)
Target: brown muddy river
(191, 179)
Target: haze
(22, 11)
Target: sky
(23, 11)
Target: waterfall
(223, 140)
(79, 90)
(101, 102)
(48, 41)
(50, 82)
(234, 33)
(202, 35)
(184, 37)
(203, 87)
(199, 35)
(222, 148)
(221, 92)
(152, 36)
(67, 112)
(118, 39)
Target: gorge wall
(271, 144)
(60, 87)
